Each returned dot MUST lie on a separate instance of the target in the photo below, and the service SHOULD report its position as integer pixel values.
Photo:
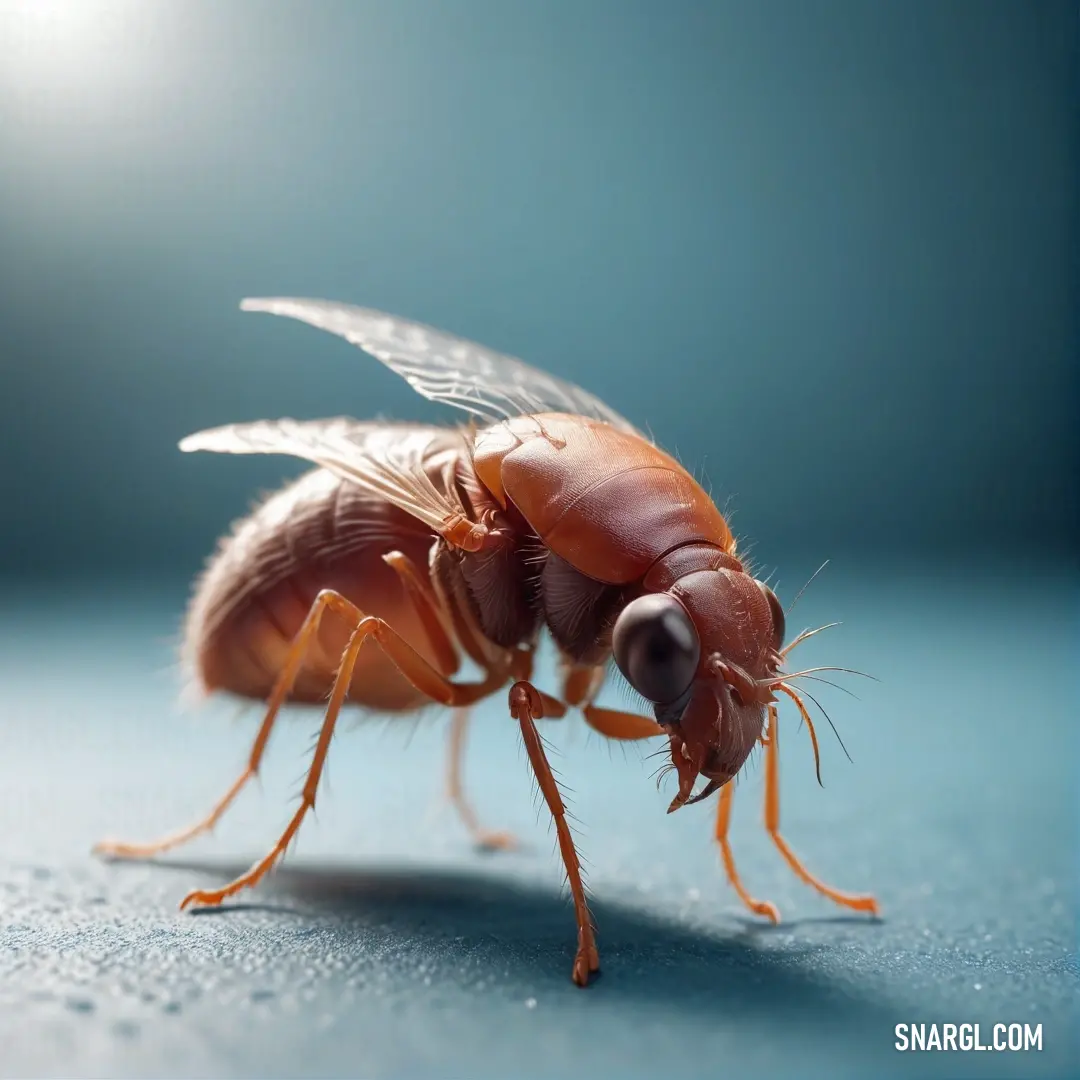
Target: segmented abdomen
(318, 532)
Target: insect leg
(282, 688)
(772, 824)
(723, 820)
(415, 668)
(427, 607)
(620, 725)
(527, 706)
(484, 838)
(581, 684)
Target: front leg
(527, 706)
(772, 826)
(581, 684)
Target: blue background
(827, 253)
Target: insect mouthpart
(689, 770)
(693, 757)
(709, 735)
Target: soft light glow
(66, 49)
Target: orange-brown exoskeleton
(548, 511)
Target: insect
(409, 545)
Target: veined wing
(389, 460)
(444, 368)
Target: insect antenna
(784, 688)
(805, 587)
(804, 635)
(831, 724)
(810, 671)
(829, 682)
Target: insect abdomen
(316, 533)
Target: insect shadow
(519, 926)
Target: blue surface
(388, 947)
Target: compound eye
(656, 647)
(778, 620)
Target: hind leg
(326, 600)
(413, 667)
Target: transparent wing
(387, 460)
(445, 368)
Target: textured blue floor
(388, 947)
